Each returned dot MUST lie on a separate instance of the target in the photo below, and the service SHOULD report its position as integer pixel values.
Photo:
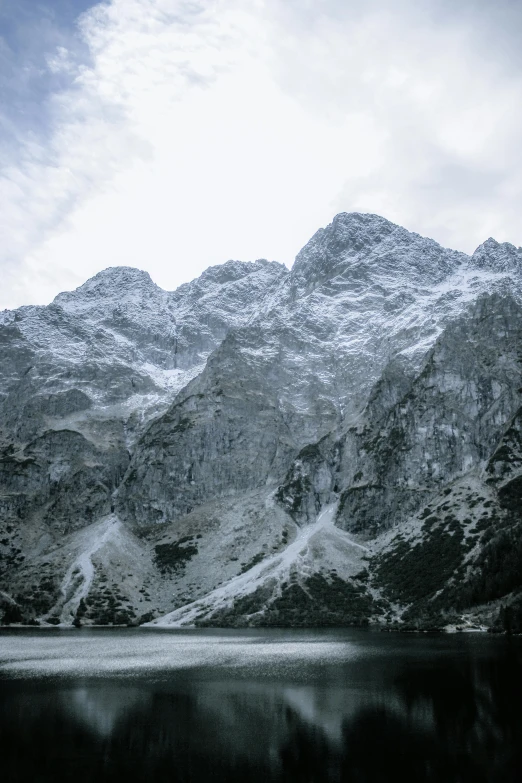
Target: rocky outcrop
(224, 434)
(418, 434)
(351, 321)
(448, 422)
(120, 340)
(61, 479)
(81, 378)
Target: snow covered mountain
(260, 446)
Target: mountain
(338, 443)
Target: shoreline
(450, 629)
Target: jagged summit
(349, 232)
(229, 273)
(233, 269)
(498, 257)
(361, 229)
(115, 283)
(372, 251)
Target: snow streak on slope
(79, 576)
(310, 545)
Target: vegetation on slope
(318, 600)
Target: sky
(172, 135)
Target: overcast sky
(175, 134)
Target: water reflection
(101, 708)
(427, 713)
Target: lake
(259, 705)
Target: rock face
(207, 430)
(81, 377)
(418, 434)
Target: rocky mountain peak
(234, 270)
(347, 234)
(366, 250)
(119, 283)
(498, 257)
(360, 229)
(229, 273)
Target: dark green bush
(173, 556)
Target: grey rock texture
(362, 293)
(418, 434)
(81, 377)
(224, 434)
(156, 431)
(120, 341)
(448, 422)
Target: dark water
(326, 706)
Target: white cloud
(60, 61)
(209, 130)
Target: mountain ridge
(180, 439)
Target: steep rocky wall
(226, 433)
(442, 424)
(448, 423)
(61, 479)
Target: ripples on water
(353, 706)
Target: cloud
(449, 105)
(191, 132)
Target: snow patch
(78, 578)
